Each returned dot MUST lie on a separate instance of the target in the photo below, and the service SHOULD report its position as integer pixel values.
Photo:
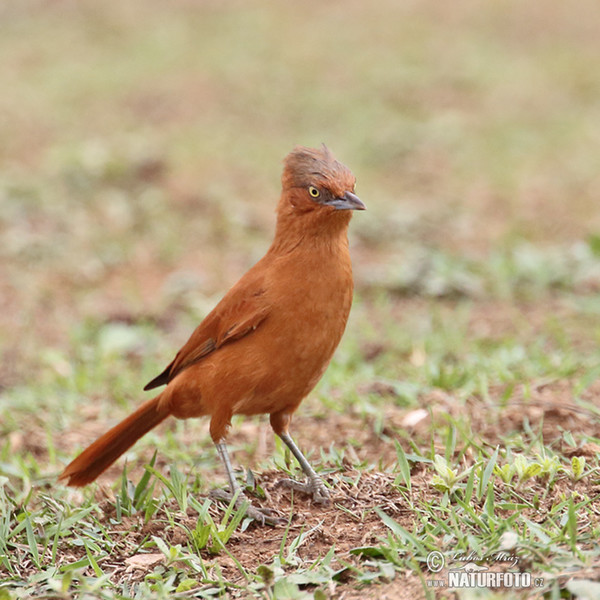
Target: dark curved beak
(348, 201)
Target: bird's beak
(348, 201)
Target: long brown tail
(97, 457)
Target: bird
(269, 340)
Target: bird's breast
(311, 300)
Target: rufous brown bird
(265, 345)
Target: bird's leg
(262, 516)
(234, 486)
(314, 485)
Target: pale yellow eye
(314, 192)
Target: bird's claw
(263, 516)
(314, 486)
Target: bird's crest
(309, 166)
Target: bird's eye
(314, 192)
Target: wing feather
(238, 314)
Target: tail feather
(102, 453)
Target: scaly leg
(314, 485)
(261, 515)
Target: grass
(460, 413)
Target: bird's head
(314, 181)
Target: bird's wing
(239, 313)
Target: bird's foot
(314, 486)
(263, 516)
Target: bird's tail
(97, 457)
